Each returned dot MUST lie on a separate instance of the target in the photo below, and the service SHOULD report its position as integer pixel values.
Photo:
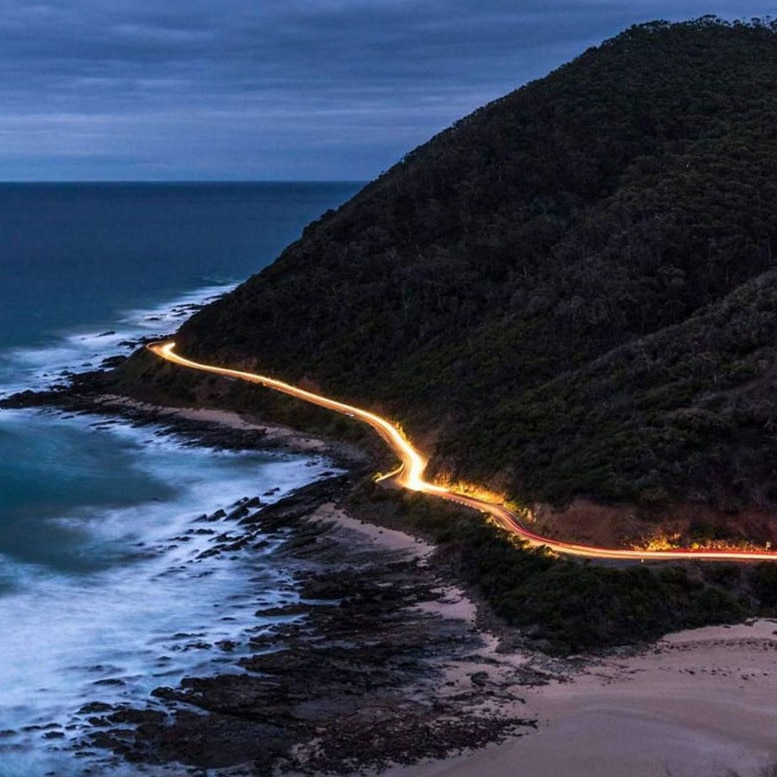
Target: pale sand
(450, 602)
(695, 704)
(385, 539)
(272, 433)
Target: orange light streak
(410, 475)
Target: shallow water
(106, 590)
(105, 599)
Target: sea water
(107, 590)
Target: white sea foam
(86, 348)
(150, 604)
(159, 608)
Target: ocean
(105, 592)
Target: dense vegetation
(570, 292)
(567, 606)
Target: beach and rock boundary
(387, 665)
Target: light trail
(410, 475)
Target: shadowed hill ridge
(570, 292)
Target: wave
(87, 348)
(146, 594)
(115, 576)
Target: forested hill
(570, 292)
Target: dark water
(76, 254)
(99, 598)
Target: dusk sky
(274, 89)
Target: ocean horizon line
(186, 182)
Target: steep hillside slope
(569, 293)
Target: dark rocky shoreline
(352, 677)
(87, 395)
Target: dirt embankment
(680, 526)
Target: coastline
(454, 700)
(692, 703)
(207, 421)
(696, 703)
(378, 663)
(369, 596)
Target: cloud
(272, 88)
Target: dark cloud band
(271, 88)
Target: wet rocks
(347, 676)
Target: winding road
(411, 475)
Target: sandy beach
(696, 704)
(271, 433)
(699, 703)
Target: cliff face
(571, 292)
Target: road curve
(410, 475)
